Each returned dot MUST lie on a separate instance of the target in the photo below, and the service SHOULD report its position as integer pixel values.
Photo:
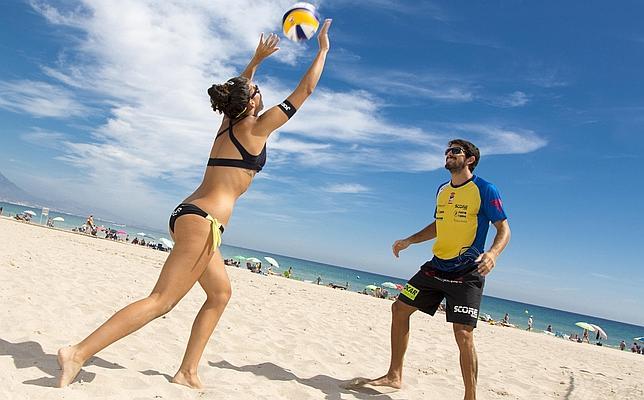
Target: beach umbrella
(254, 260)
(602, 333)
(399, 286)
(640, 339)
(121, 232)
(239, 258)
(585, 325)
(29, 212)
(389, 285)
(166, 242)
(371, 287)
(272, 261)
(59, 219)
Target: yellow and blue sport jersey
(463, 215)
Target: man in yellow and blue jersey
(465, 208)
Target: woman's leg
(215, 283)
(183, 267)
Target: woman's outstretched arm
(278, 115)
(264, 49)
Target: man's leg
(464, 335)
(400, 313)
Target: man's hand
(266, 47)
(399, 245)
(486, 262)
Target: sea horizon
(308, 270)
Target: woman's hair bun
(230, 98)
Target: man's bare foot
(187, 379)
(69, 364)
(386, 380)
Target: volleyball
(300, 22)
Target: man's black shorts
(463, 292)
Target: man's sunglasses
(454, 150)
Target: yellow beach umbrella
(585, 325)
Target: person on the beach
(506, 318)
(90, 223)
(622, 345)
(530, 323)
(196, 225)
(549, 328)
(465, 206)
(585, 337)
(1, 209)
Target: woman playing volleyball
(196, 225)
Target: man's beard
(455, 165)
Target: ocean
(309, 271)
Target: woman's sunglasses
(255, 92)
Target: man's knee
(401, 310)
(464, 335)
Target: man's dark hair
(470, 150)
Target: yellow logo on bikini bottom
(410, 291)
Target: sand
(278, 338)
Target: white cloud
(39, 99)
(350, 188)
(45, 138)
(514, 99)
(494, 139)
(425, 84)
(150, 64)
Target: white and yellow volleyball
(300, 22)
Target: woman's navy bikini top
(248, 161)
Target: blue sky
(107, 107)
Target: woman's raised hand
(323, 36)
(267, 46)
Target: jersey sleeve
(437, 192)
(492, 204)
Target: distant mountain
(11, 193)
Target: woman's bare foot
(69, 364)
(188, 379)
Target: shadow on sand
(151, 372)
(30, 354)
(331, 387)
